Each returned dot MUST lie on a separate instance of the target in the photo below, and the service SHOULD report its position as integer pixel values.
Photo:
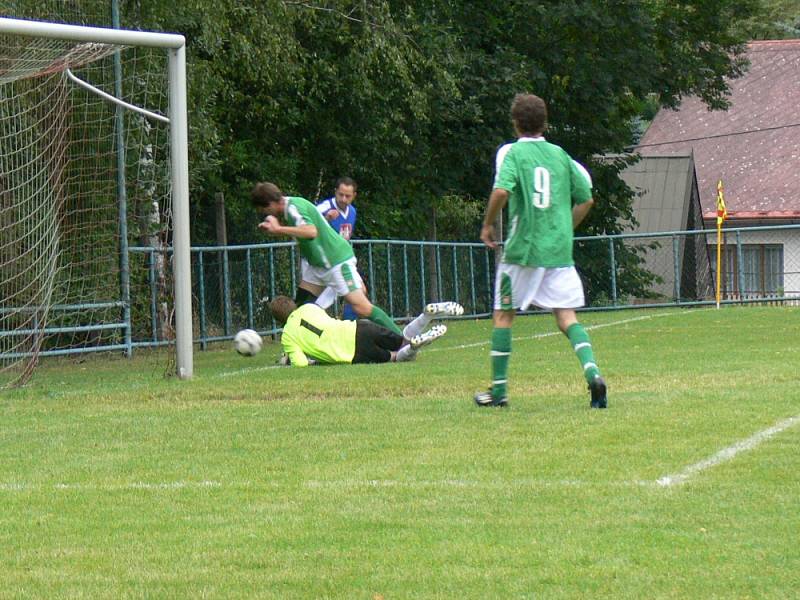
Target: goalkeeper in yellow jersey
(311, 336)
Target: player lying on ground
(309, 334)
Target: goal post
(90, 43)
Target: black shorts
(375, 344)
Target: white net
(65, 286)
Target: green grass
(387, 482)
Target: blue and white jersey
(345, 223)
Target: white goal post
(174, 46)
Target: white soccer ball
(247, 342)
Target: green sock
(379, 317)
(501, 352)
(583, 349)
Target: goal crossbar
(175, 45)
(79, 33)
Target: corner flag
(722, 214)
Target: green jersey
(310, 332)
(326, 250)
(543, 184)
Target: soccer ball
(247, 342)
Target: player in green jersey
(548, 195)
(328, 259)
(309, 334)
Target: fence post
(455, 273)
(405, 277)
(201, 290)
(489, 289)
(389, 276)
(371, 273)
(676, 259)
(247, 264)
(226, 290)
(438, 254)
(151, 275)
(740, 260)
(613, 259)
(422, 273)
(472, 279)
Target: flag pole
(722, 214)
(719, 259)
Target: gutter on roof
(756, 214)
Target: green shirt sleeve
(581, 183)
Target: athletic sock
(501, 352)
(416, 326)
(583, 349)
(379, 317)
(406, 353)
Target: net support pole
(122, 194)
(179, 141)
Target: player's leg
(310, 286)
(368, 349)
(432, 311)
(508, 285)
(326, 298)
(582, 346)
(563, 288)
(410, 349)
(366, 310)
(303, 296)
(346, 280)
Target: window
(760, 272)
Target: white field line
(247, 370)
(728, 453)
(552, 333)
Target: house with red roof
(754, 149)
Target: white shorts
(518, 287)
(342, 278)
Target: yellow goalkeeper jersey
(310, 333)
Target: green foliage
(774, 20)
(411, 98)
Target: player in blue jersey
(341, 214)
(339, 210)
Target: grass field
(387, 482)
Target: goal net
(86, 172)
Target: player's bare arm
(579, 212)
(497, 201)
(273, 227)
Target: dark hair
(281, 307)
(265, 193)
(529, 113)
(346, 181)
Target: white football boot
(423, 339)
(444, 309)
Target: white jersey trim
(503, 151)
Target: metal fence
(232, 284)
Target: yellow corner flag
(722, 214)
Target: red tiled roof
(753, 147)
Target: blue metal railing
(232, 284)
